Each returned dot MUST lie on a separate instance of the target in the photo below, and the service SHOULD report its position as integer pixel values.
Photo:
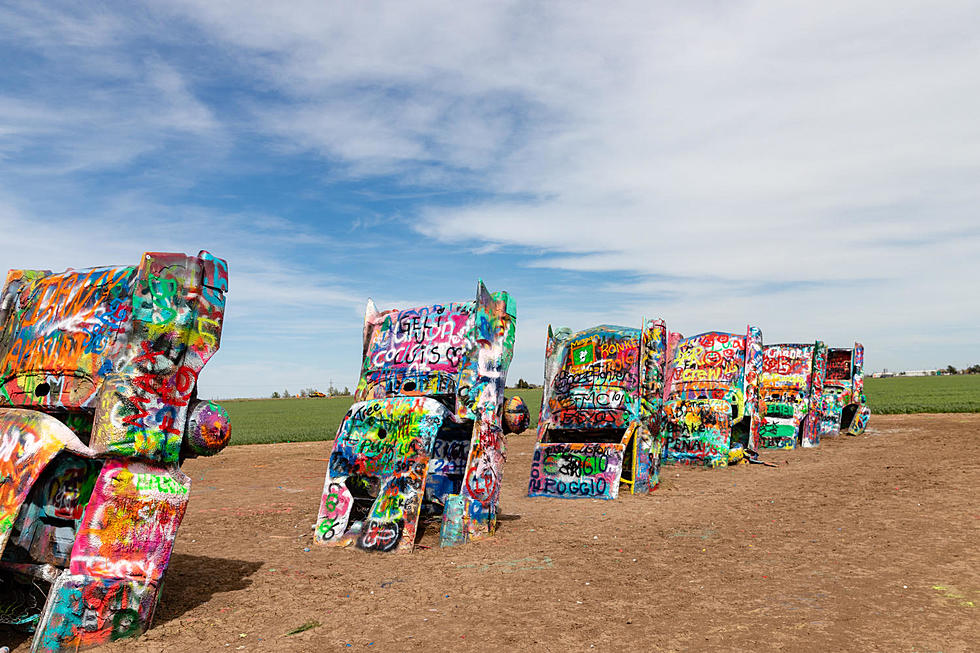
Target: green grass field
(924, 394)
(257, 421)
(264, 421)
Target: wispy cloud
(811, 169)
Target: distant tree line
(973, 369)
(313, 392)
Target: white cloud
(811, 169)
(174, 106)
(85, 93)
(281, 315)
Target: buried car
(425, 433)
(600, 410)
(710, 388)
(789, 395)
(843, 405)
(98, 409)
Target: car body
(98, 408)
(425, 432)
(843, 406)
(710, 389)
(600, 411)
(789, 395)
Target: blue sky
(811, 170)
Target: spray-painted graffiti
(811, 427)
(131, 522)
(860, 420)
(126, 342)
(576, 470)
(784, 387)
(712, 383)
(699, 431)
(47, 523)
(842, 405)
(425, 436)
(98, 406)
(600, 413)
(447, 467)
(28, 442)
(431, 338)
(379, 463)
(517, 418)
(208, 428)
(83, 612)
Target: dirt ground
(864, 544)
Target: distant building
(885, 374)
(919, 373)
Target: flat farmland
(256, 421)
(865, 543)
(259, 421)
(924, 394)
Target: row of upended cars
(99, 409)
(617, 402)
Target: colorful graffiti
(98, 407)
(600, 413)
(517, 418)
(28, 442)
(843, 406)
(811, 427)
(712, 384)
(47, 522)
(426, 435)
(126, 342)
(130, 525)
(576, 470)
(784, 388)
(83, 612)
(699, 431)
(208, 428)
(379, 463)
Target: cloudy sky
(813, 171)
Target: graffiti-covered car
(600, 410)
(425, 432)
(710, 390)
(843, 406)
(98, 409)
(789, 394)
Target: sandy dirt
(865, 544)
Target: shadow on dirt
(192, 580)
